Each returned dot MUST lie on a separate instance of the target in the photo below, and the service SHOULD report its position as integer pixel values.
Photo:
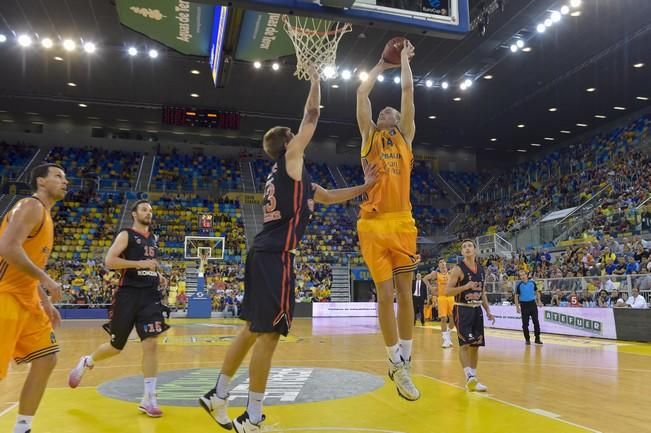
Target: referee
(527, 301)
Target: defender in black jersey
(137, 302)
(466, 283)
(268, 303)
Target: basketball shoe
(74, 378)
(243, 424)
(400, 375)
(149, 405)
(473, 384)
(216, 408)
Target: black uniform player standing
(466, 283)
(268, 303)
(137, 302)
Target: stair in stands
(191, 275)
(340, 289)
(145, 173)
(251, 213)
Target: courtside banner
(580, 322)
(181, 25)
(346, 309)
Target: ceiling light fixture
(3, 38)
(363, 76)
(549, 139)
(575, 3)
(493, 139)
(257, 64)
(488, 77)
(457, 99)
(275, 66)
(153, 54)
(445, 85)
(432, 117)
(71, 84)
(563, 131)
(396, 80)
(329, 72)
(576, 14)
(24, 41)
(565, 9)
(548, 22)
(582, 125)
(346, 74)
(638, 65)
(642, 98)
(536, 145)
(514, 48)
(194, 95)
(526, 50)
(553, 109)
(47, 43)
(58, 59)
(599, 116)
(520, 43)
(522, 150)
(590, 89)
(69, 45)
(540, 28)
(335, 86)
(132, 51)
(429, 83)
(521, 125)
(195, 72)
(555, 16)
(90, 47)
(83, 105)
(619, 108)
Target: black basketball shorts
(470, 325)
(137, 307)
(268, 302)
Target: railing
(501, 290)
(575, 219)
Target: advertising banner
(346, 309)
(580, 322)
(181, 25)
(262, 37)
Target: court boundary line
(508, 403)
(12, 406)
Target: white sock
(23, 423)
(222, 385)
(473, 371)
(90, 361)
(150, 387)
(394, 353)
(405, 349)
(254, 406)
(468, 372)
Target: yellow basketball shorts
(388, 244)
(25, 335)
(446, 305)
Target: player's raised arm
(296, 146)
(324, 196)
(407, 110)
(364, 110)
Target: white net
(315, 41)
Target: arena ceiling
(596, 50)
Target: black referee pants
(529, 309)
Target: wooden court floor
(567, 385)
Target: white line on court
(536, 411)
(9, 409)
(334, 429)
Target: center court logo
(574, 322)
(286, 385)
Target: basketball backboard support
(196, 245)
(439, 18)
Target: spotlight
(522, 125)
(132, 51)
(514, 48)
(463, 86)
(71, 84)
(90, 47)
(488, 77)
(153, 54)
(445, 85)
(520, 43)
(47, 43)
(275, 66)
(526, 50)
(575, 14)
(363, 76)
(195, 72)
(335, 86)
(346, 74)
(257, 65)
(194, 95)
(638, 65)
(329, 72)
(548, 22)
(541, 28)
(565, 10)
(396, 80)
(555, 16)
(69, 45)
(575, 3)
(429, 83)
(431, 117)
(468, 83)
(83, 105)
(24, 41)
(3, 38)
(380, 78)
(457, 99)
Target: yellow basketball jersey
(441, 282)
(37, 246)
(388, 149)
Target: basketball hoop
(316, 42)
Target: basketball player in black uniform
(466, 284)
(137, 302)
(268, 303)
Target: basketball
(392, 50)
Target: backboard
(440, 18)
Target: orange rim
(307, 32)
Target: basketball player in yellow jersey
(27, 317)
(386, 228)
(445, 303)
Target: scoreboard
(200, 118)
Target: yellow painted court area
(550, 389)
